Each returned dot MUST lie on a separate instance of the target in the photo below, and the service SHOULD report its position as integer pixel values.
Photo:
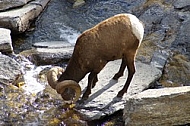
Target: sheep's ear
(61, 86)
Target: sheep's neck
(73, 72)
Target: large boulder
(19, 20)
(103, 99)
(158, 107)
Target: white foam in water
(31, 83)
(31, 72)
(69, 34)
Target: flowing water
(34, 102)
(60, 22)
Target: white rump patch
(137, 26)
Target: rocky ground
(166, 44)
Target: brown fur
(109, 40)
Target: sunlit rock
(9, 4)
(158, 107)
(45, 53)
(9, 69)
(19, 20)
(5, 41)
(103, 99)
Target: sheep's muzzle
(60, 87)
(69, 84)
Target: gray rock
(182, 43)
(158, 107)
(159, 59)
(45, 53)
(9, 69)
(5, 41)
(19, 20)
(41, 3)
(179, 4)
(9, 4)
(103, 99)
(151, 17)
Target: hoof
(84, 97)
(120, 94)
(117, 76)
(80, 102)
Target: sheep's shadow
(111, 83)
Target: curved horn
(52, 76)
(61, 86)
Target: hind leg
(121, 69)
(94, 81)
(131, 70)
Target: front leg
(94, 81)
(92, 77)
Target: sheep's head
(69, 89)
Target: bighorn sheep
(117, 37)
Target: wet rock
(19, 20)
(9, 69)
(103, 99)
(45, 53)
(19, 108)
(5, 41)
(9, 4)
(157, 107)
